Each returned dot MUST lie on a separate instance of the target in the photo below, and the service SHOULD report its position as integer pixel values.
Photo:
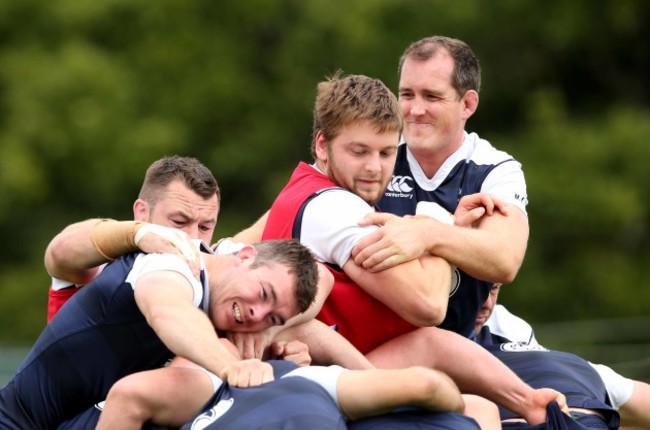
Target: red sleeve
(56, 299)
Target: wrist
(112, 239)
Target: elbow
(53, 256)
(428, 313)
(508, 271)
(126, 396)
(428, 384)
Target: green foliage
(92, 92)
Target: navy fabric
(415, 420)
(62, 376)
(557, 420)
(464, 178)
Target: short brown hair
(301, 263)
(467, 70)
(341, 101)
(191, 171)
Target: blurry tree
(92, 92)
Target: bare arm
(169, 396)
(364, 393)
(71, 255)
(471, 249)
(635, 413)
(458, 356)
(165, 299)
(253, 233)
(326, 346)
(417, 290)
(75, 254)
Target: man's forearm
(376, 391)
(253, 233)
(326, 346)
(494, 251)
(71, 255)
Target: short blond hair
(343, 100)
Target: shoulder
(483, 152)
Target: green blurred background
(92, 92)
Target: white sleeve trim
(146, 263)
(510, 326)
(507, 182)
(619, 388)
(325, 376)
(330, 225)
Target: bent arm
(417, 290)
(72, 256)
(169, 397)
(253, 233)
(326, 346)
(364, 393)
(165, 299)
(473, 249)
(635, 413)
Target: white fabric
(505, 181)
(507, 325)
(336, 214)
(216, 381)
(59, 284)
(503, 323)
(435, 211)
(178, 238)
(227, 246)
(146, 263)
(619, 388)
(325, 376)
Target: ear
(140, 210)
(470, 104)
(246, 255)
(320, 147)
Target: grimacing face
(183, 209)
(359, 159)
(252, 300)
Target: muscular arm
(169, 397)
(473, 368)
(326, 346)
(635, 413)
(417, 290)
(165, 299)
(474, 250)
(75, 253)
(71, 255)
(363, 393)
(493, 251)
(253, 233)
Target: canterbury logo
(400, 184)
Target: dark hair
(191, 171)
(341, 101)
(300, 261)
(467, 70)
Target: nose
(373, 163)
(258, 313)
(416, 107)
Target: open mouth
(236, 312)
